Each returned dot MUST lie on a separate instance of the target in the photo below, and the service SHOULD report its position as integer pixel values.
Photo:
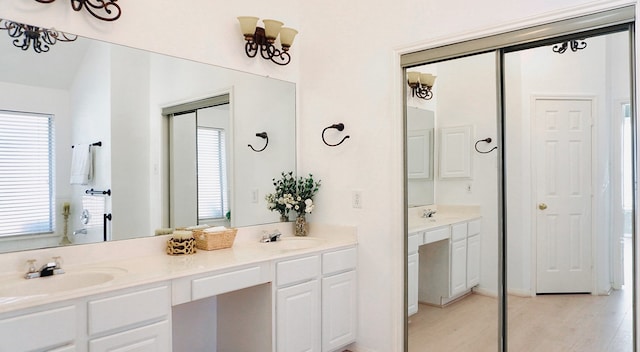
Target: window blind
(212, 178)
(26, 174)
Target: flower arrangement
(292, 195)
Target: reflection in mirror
(96, 91)
(568, 139)
(453, 239)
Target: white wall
(90, 97)
(345, 72)
(130, 136)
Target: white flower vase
(301, 226)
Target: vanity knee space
(443, 263)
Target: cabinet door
(455, 152)
(473, 261)
(151, 338)
(412, 285)
(338, 310)
(298, 318)
(458, 282)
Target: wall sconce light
(39, 39)
(96, 8)
(421, 84)
(262, 39)
(575, 45)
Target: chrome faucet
(48, 269)
(80, 231)
(428, 213)
(270, 237)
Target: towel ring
(337, 126)
(486, 140)
(264, 136)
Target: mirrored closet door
(521, 164)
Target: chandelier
(105, 10)
(575, 45)
(262, 39)
(27, 36)
(421, 84)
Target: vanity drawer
(414, 241)
(440, 234)
(458, 231)
(38, 331)
(234, 280)
(475, 227)
(128, 309)
(297, 270)
(337, 261)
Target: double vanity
(292, 294)
(444, 249)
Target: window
(212, 174)
(26, 174)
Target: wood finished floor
(546, 323)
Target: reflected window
(26, 169)
(212, 174)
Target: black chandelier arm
(281, 58)
(578, 45)
(105, 10)
(251, 48)
(560, 48)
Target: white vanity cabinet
(50, 328)
(449, 269)
(414, 241)
(315, 302)
(339, 306)
(137, 320)
(297, 304)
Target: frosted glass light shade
(287, 35)
(248, 24)
(427, 79)
(272, 28)
(413, 77)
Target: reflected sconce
(575, 45)
(105, 10)
(421, 84)
(337, 126)
(40, 39)
(262, 135)
(263, 39)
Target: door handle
(542, 206)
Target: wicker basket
(209, 241)
(181, 246)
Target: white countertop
(445, 215)
(143, 261)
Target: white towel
(215, 229)
(81, 164)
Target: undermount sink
(293, 243)
(68, 281)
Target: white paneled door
(562, 148)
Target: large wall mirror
(556, 198)
(92, 92)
